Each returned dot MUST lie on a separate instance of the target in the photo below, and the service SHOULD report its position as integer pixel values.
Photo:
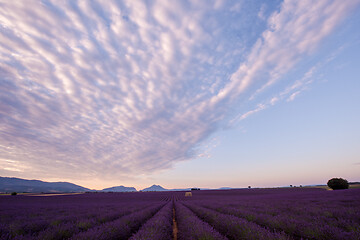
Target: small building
(188, 194)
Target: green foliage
(338, 183)
(14, 193)
(84, 225)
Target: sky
(180, 93)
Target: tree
(13, 193)
(338, 183)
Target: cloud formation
(116, 89)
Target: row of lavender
(264, 214)
(297, 214)
(231, 214)
(78, 216)
(91, 217)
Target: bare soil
(175, 228)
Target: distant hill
(155, 188)
(10, 184)
(354, 183)
(22, 185)
(119, 189)
(158, 188)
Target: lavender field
(292, 213)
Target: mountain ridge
(13, 184)
(154, 188)
(119, 189)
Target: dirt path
(175, 228)
(51, 194)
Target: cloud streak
(115, 89)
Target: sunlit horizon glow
(181, 93)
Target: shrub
(338, 183)
(13, 193)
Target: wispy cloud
(294, 32)
(288, 94)
(116, 89)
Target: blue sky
(180, 93)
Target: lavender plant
(234, 227)
(292, 213)
(158, 227)
(191, 227)
(121, 228)
(317, 216)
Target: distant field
(41, 194)
(351, 186)
(283, 213)
(50, 194)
